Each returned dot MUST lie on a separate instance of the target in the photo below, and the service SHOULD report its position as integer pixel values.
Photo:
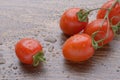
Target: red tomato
(29, 51)
(96, 26)
(78, 48)
(69, 22)
(114, 12)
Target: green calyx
(94, 42)
(37, 58)
(83, 15)
(116, 27)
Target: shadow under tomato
(63, 38)
(31, 69)
(82, 67)
(102, 55)
(118, 32)
(93, 63)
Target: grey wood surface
(39, 19)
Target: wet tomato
(29, 51)
(69, 22)
(104, 31)
(78, 48)
(114, 13)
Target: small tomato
(104, 31)
(78, 48)
(29, 51)
(69, 22)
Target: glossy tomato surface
(26, 48)
(78, 48)
(114, 13)
(105, 31)
(69, 22)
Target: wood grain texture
(39, 19)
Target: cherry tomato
(69, 22)
(114, 13)
(29, 51)
(105, 31)
(78, 48)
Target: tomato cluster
(86, 38)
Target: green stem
(105, 18)
(97, 9)
(83, 14)
(37, 58)
(116, 27)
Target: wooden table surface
(39, 19)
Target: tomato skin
(78, 48)
(114, 12)
(95, 26)
(69, 22)
(26, 48)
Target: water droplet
(15, 67)
(20, 73)
(15, 73)
(9, 71)
(50, 49)
(3, 68)
(68, 76)
(3, 76)
(36, 34)
(1, 43)
(57, 52)
(1, 55)
(2, 60)
(53, 55)
(117, 70)
(43, 35)
(10, 65)
(50, 39)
